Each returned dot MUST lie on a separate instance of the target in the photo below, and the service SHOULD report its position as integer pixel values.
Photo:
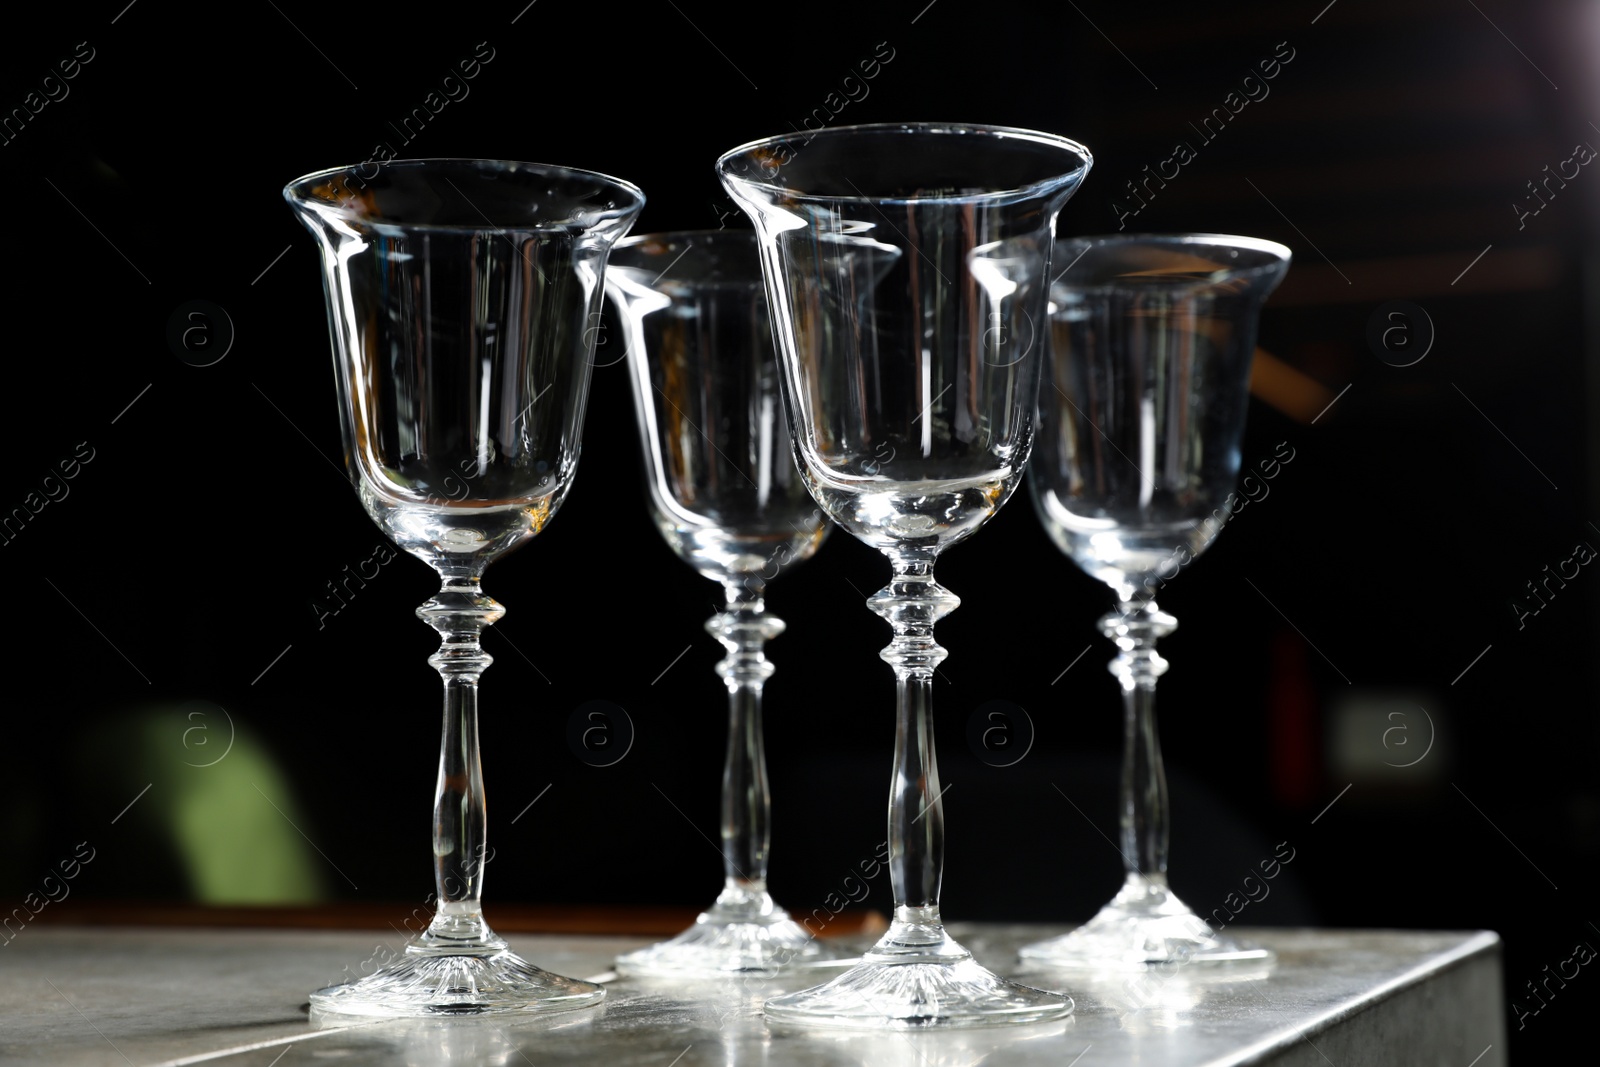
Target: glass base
(429, 981)
(743, 933)
(918, 978)
(1144, 924)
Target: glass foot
(1144, 924)
(743, 933)
(917, 977)
(429, 982)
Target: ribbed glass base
(426, 983)
(743, 933)
(1144, 924)
(916, 978)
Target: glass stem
(460, 612)
(744, 628)
(1136, 627)
(912, 603)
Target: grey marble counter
(147, 997)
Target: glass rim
(745, 240)
(1038, 137)
(1281, 253)
(293, 191)
(681, 235)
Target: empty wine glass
(725, 495)
(1140, 422)
(906, 267)
(460, 298)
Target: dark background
(1365, 607)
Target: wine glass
(906, 268)
(1140, 422)
(460, 299)
(725, 495)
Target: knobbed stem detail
(1145, 922)
(744, 628)
(1136, 627)
(912, 603)
(744, 932)
(460, 612)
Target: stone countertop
(142, 997)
